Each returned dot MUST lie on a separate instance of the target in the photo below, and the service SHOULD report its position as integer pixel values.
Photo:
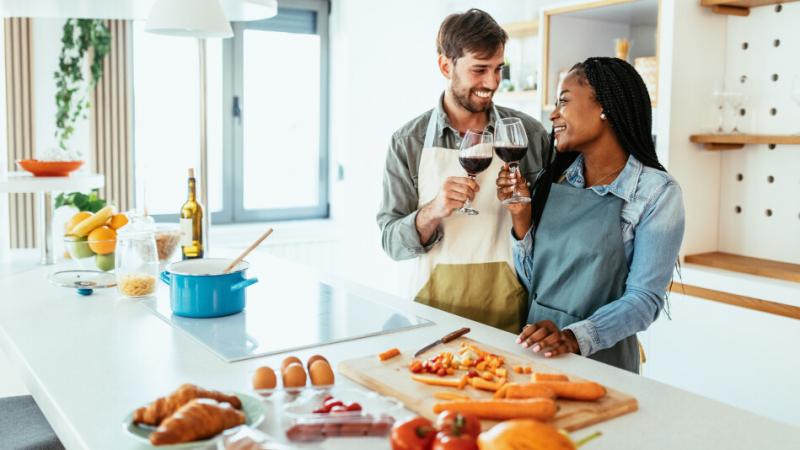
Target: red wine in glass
(475, 156)
(475, 165)
(511, 144)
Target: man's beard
(463, 99)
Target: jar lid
(83, 280)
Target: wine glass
(796, 91)
(475, 156)
(735, 101)
(511, 144)
(719, 102)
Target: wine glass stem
(467, 204)
(512, 167)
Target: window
(267, 118)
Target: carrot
(501, 393)
(446, 395)
(391, 353)
(437, 380)
(529, 390)
(539, 376)
(532, 408)
(463, 382)
(527, 369)
(480, 383)
(573, 390)
(518, 369)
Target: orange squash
(526, 434)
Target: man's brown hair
(473, 31)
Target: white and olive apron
(471, 271)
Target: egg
(314, 358)
(289, 360)
(321, 373)
(264, 378)
(294, 376)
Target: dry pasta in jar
(136, 284)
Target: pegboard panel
(760, 184)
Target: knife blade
(444, 340)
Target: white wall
(46, 41)
(4, 237)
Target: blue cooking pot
(198, 288)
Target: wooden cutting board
(392, 378)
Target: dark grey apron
(579, 264)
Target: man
(465, 263)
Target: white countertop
(89, 361)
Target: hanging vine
(82, 38)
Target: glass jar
(137, 262)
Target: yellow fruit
(96, 220)
(76, 219)
(118, 221)
(102, 240)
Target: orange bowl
(49, 168)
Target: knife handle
(454, 335)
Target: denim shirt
(652, 230)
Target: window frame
(233, 130)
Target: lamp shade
(190, 18)
(247, 10)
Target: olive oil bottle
(192, 223)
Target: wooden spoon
(247, 251)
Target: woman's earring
(602, 116)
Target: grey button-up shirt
(398, 211)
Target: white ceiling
(94, 9)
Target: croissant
(163, 407)
(201, 418)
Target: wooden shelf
(756, 304)
(737, 141)
(522, 29)
(738, 7)
(745, 264)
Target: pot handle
(243, 284)
(165, 277)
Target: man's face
(474, 79)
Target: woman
(608, 221)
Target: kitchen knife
(444, 340)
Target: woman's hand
(505, 188)
(520, 212)
(545, 337)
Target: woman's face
(576, 119)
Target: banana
(88, 224)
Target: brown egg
(264, 378)
(294, 376)
(288, 360)
(321, 373)
(314, 358)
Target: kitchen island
(89, 361)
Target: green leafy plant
(81, 38)
(84, 202)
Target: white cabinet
(738, 356)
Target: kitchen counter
(89, 361)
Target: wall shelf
(738, 7)
(745, 264)
(737, 141)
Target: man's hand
(455, 191)
(546, 338)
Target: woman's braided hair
(621, 92)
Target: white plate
(252, 408)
